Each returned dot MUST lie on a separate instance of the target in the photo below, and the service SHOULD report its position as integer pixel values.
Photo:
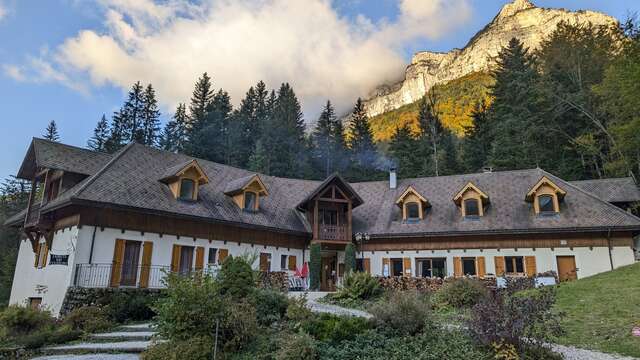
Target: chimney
(393, 181)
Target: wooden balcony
(337, 233)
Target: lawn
(601, 311)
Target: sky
(73, 60)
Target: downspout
(93, 240)
(609, 247)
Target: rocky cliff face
(520, 19)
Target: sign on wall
(59, 259)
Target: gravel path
(90, 357)
(131, 346)
(315, 306)
(124, 334)
(572, 353)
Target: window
(396, 267)
(129, 274)
(212, 256)
(431, 267)
(545, 204)
(34, 302)
(469, 266)
(360, 265)
(187, 189)
(329, 217)
(186, 259)
(54, 188)
(413, 212)
(265, 262)
(250, 201)
(283, 262)
(514, 265)
(471, 208)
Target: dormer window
(184, 180)
(412, 205)
(187, 189)
(472, 201)
(546, 197)
(247, 192)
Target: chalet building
(121, 220)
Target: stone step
(100, 347)
(124, 335)
(128, 356)
(136, 327)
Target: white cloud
(322, 54)
(3, 12)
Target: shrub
(88, 319)
(236, 277)
(299, 346)
(240, 326)
(190, 308)
(334, 328)
(298, 311)
(271, 306)
(349, 258)
(403, 313)
(358, 286)
(523, 320)
(462, 293)
(49, 336)
(122, 307)
(195, 348)
(315, 266)
(16, 321)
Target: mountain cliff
(520, 19)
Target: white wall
(51, 282)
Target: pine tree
(258, 159)
(363, 153)
(477, 140)
(98, 142)
(173, 137)
(117, 133)
(323, 142)
(200, 102)
(210, 140)
(150, 117)
(402, 149)
(132, 113)
(513, 108)
(51, 132)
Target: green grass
(601, 311)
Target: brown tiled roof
(236, 185)
(49, 154)
(130, 180)
(617, 190)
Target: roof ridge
(449, 176)
(606, 203)
(604, 179)
(71, 146)
(93, 177)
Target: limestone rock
(520, 19)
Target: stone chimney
(393, 180)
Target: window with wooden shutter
(175, 258)
(147, 251)
(292, 262)
(500, 267)
(481, 266)
(367, 265)
(530, 263)
(265, 262)
(386, 267)
(199, 258)
(406, 267)
(457, 266)
(36, 255)
(222, 254)
(116, 267)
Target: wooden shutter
(367, 265)
(481, 270)
(175, 258)
(385, 261)
(45, 255)
(116, 266)
(500, 266)
(199, 258)
(292, 262)
(222, 254)
(37, 255)
(457, 266)
(145, 269)
(264, 262)
(530, 266)
(406, 267)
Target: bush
(358, 286)
(16, 321)
(405, 313)
(299, 346)
(461, 293)
(334, 328)
(195, 348)
(122, 307)
(88, 319)
(298, 311)
(240, 326)
(315, 266)
(236, 277)
(49, 336)
(525, 320)
(271, 306)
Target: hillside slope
(456, 101)
(601, 311)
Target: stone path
(124, 344)
(572, 353)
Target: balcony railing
(333, 232)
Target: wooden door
(567, 270)
(130, 260)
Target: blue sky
(42, 79)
